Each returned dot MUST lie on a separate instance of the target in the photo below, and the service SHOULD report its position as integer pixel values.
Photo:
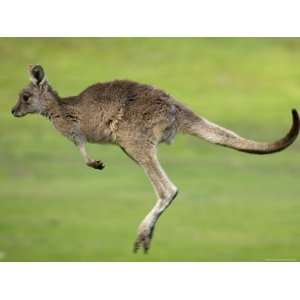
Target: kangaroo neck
(51, 110)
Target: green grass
(231, 206)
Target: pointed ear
(37, 74)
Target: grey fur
(136, 117)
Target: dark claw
(146, 248)
(136, 247)
(99, 165)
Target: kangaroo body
(136, 117)
(117, 111)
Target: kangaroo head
(36, 96)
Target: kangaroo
(136, 117)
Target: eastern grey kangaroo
(136, 117)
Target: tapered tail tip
(295, 114)
(295, 127)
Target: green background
(231, 206)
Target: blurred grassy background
(231, 207)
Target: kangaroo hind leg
(165, 191)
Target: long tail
(190, 123)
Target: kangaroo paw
(96, 164)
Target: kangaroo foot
(144, 239)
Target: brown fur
(136, 117)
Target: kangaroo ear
(37, 74)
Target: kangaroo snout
(14, 112)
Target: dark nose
(13, 111)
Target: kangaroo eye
(26, 97)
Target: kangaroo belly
(99, 135)
(100, 131)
